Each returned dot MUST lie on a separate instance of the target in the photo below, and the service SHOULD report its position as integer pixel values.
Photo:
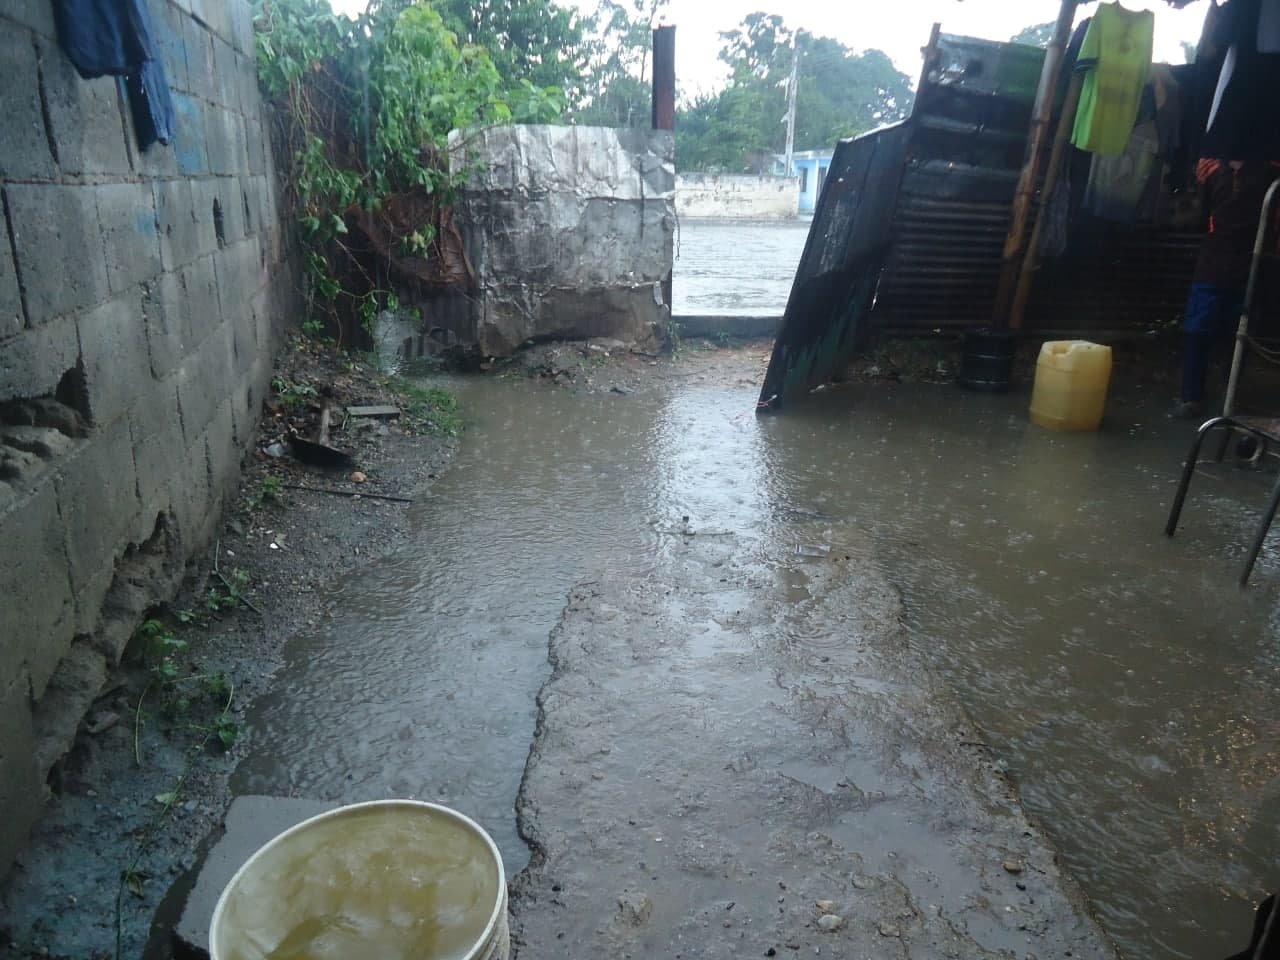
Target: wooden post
(1041, 114)
(1031, 261)
(664, 78)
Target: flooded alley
(697, 671)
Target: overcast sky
(899, 27)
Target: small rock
(826, 906)
(888, 930)
(190, 806)
(636, 907)
(830, 922)
(359, 477)
(236, 527)
(597, 776)
(1020, 885)
(1012, 866)
(863, 883)
(274, 450)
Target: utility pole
(792, 83)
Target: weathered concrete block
(204, 309)
(11, 315)
(86, 118)
(194, 510)
(225, 141)
(35, 579)
(35, 15)
(98, 502)
(226, 89)
(127, 218)
(170, 36)
(22, 790)
(200, 63)
(224, 453)
(113, 346)
(570, 233)
(188, 145)
(59, 250)
(24, 149)
(211, 214)
(158, 444)
(250, 93)
(56, 715)
(241, 26)
(165, 315)
(32, 363)
(216, 14)
(204, 382)
(178, 223)
(255, 133)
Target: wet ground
(735, 267)
(733, 732)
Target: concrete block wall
(737, 197)
(139, 299)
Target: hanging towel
(114, 38)
(1116, 56)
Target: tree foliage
(527, 40)
(840, 94)
(1036, 35)
(368, 106)
(616, 57)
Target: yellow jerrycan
(1071, 385)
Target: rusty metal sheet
(840, 268)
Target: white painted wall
(737, 197)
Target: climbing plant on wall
(367, 107)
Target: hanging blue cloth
(114, 38)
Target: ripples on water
(1130, 687)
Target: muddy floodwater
(1127, 686)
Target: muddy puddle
(1126, 683)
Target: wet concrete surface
(774, 718)
(734, 267)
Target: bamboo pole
(1041, 114)
(1031, 261)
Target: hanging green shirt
(1116, 55)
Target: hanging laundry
(114, 38)
(1244, 116)
(1168, 99)
(1119, 185)
(1116, 56)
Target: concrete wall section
(135, 306)
(569, 231)
(733, 197)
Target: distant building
(811, 167)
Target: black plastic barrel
(988, 359)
